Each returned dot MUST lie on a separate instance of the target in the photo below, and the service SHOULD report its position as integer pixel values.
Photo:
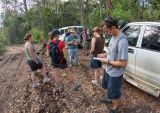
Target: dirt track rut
(16, 95)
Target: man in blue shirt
(72, 43)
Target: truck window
(151, 38)
(132, 33)
(66, 30)
(62, 31)
(79, 30)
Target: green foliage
(15, 28)
(121, 12)
(45, 15)
(2, 41)
(38, 35)
(94, 18)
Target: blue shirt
(72, 38)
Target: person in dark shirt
(97, 47)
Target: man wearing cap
(61, 64)
(72, 48)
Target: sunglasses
(109, 19)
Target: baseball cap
(56, 32)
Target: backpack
(56, 55)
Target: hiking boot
(61, 88)
(46, 79)
(105, 100)
(76, 87)
(34, 85)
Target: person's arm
(69, 42)
(48, 53)
(62, 46)
(92, 45)
(122, 55)
(48, 47)
(30, 49)
(119, 63)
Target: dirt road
(16, 95)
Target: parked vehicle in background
(64, 30)
(144, 56)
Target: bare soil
(17, 96)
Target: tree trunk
(25, 6)
(81, 12)
(26, 11)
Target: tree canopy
(41, 16)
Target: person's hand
(73, 42)
(70, 43)
(102, 55)
(104, 60)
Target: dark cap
(56, 32)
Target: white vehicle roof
(144, 23)
(71, 26)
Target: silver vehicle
(143, 70)
(64, 30)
